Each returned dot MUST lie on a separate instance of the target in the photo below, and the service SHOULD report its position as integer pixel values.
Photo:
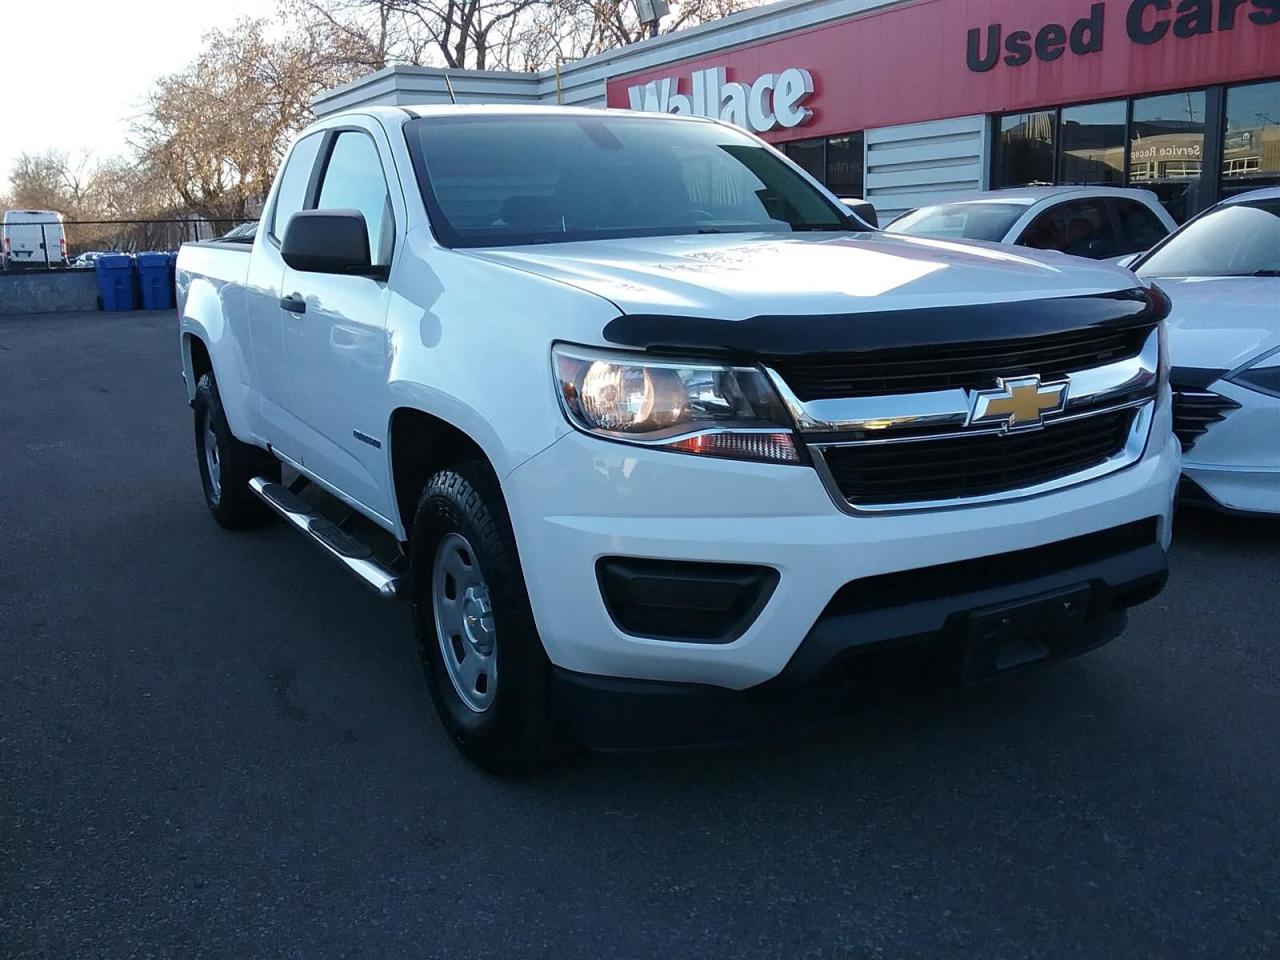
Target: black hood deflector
(783, 336)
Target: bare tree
(51, 181)
(571, 29)
(218, 129)
(482, 34)
(373, 34)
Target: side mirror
(330, 241)
(864, 209)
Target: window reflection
(1166, 149)
(811, 155)
(1024, 154)
(1093, 143)
(844, 165)
(1251, 144)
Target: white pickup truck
(660, 442)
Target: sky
(95, 61)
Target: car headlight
(1261, 376)
(689, 407)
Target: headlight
(694, 407)
(1162, 380)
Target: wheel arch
(196, 361)
(422, 444)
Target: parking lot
(217, 744)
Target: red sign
(950, 58)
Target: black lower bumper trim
(843, 651)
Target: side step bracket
(347, 550)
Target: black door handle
(294, 303)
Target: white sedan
(1101, 223)
(1222, 272)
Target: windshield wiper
(823, 227)
(1255, 273)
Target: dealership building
(911, 102)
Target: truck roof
(493, 110)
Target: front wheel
(485, 665)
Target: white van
(33, 238)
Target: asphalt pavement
(219, 745)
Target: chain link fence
(73, 244)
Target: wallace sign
(770, 100)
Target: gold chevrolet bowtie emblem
(1017, 403)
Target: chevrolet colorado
(659, 440)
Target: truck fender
(201, 319)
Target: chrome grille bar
(942, 409)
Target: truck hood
(737, 276)
(1221, 323)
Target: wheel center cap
(477, 620)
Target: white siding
(915, 164)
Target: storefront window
(1093, 143)
(1251, 145)
(1024, 152)
(811, 155)
(844, 165)
(1166, 149)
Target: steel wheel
(212, 462)
(464, 622)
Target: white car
(1100, 223)
(1222, 272)
(33, 239)
(659, 441)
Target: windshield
(960, 221)
(1234, 240)
(506, 180)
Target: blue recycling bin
(154, 282)
(115, 282)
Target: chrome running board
(353, 554)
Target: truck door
(335, 335)
(270, 373)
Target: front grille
(1194, 411)
(972, 366)
(960, 466)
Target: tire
(225, 476)
(502, 724)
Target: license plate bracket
(1013, 635)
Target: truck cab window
(292, 192)
(353, 180)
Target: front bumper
(584, 499)
(845, 656)
(1236, 463)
